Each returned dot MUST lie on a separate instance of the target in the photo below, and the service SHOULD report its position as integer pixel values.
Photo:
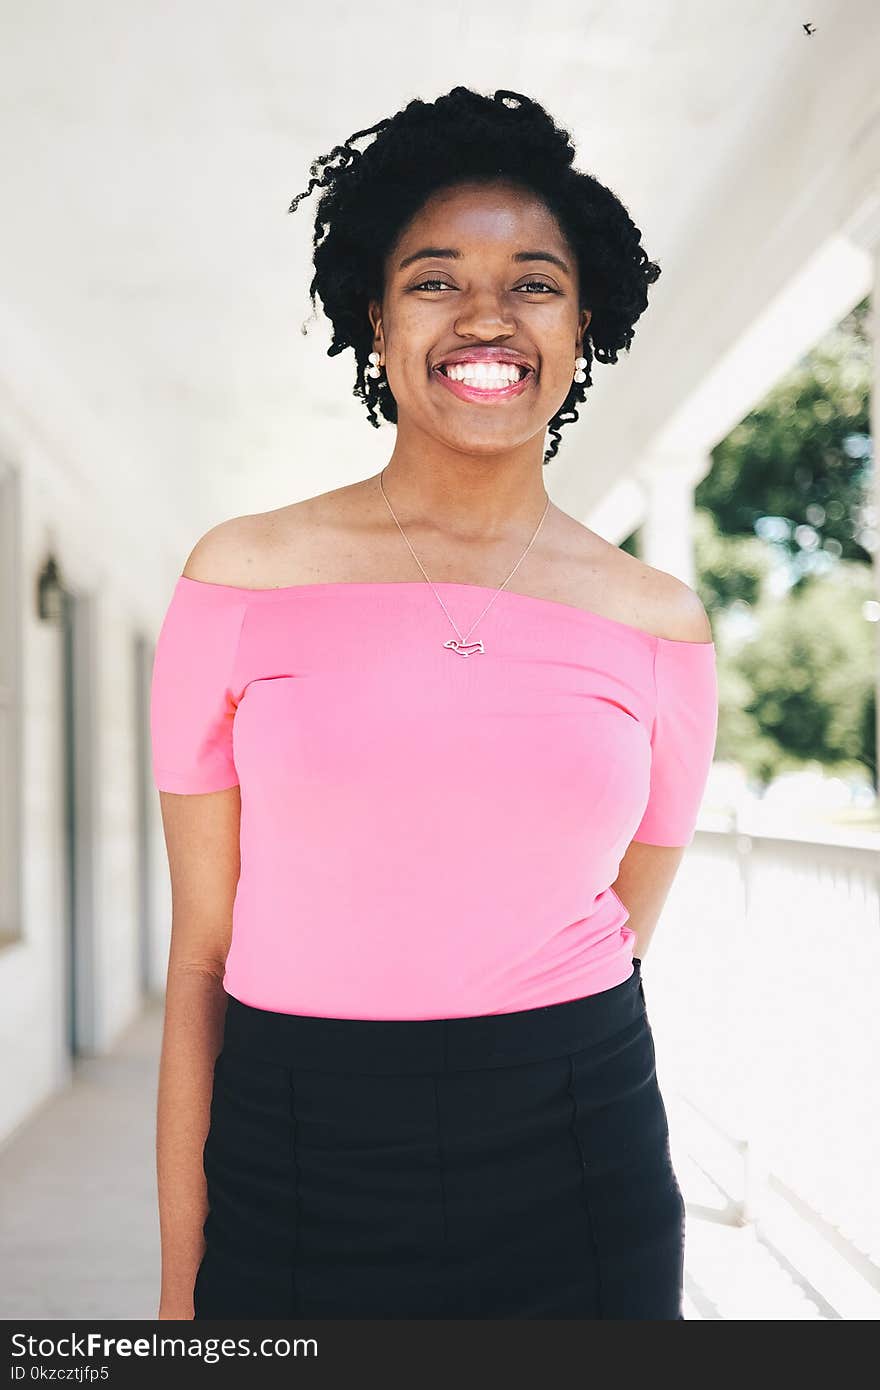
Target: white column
(667, 540)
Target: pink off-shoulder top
(426, 834)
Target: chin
(488, 445)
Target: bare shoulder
(676, 611)
(261, 550)
(611, 581)
(226, 554)
(620, 585)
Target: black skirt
(501, 1166)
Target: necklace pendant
(465, 648)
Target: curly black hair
(370, 196)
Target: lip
(485, 354)
(490, 397)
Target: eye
(539, 284)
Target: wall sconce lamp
(51, 594)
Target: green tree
(784, 532)
(783, 555)
(799, 466)
(801, 690)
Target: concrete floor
(79, 1222)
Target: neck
(463, 497)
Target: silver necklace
(458, 643)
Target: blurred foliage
(800, 690)
(733, 571)
(803, 458)
(785, 529)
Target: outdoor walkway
(79, 1227)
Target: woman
(421, 821)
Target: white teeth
(485, 374)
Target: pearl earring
(580, 374)
(373, 371)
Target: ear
(375, 315)
(583, 325)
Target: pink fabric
(427, 835)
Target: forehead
(483, 214)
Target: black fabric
(503, 1166)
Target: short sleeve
(192, 703)
(682, 740)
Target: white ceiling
(150, 151)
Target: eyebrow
(448, 253)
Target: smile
(482, 385)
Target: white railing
(762, 989)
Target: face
(482, 275)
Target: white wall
(114, 541)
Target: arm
(643, 882)
(202, 839)
(647, 871)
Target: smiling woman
(434, 1092)
(558, 255)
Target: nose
(484, 314)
